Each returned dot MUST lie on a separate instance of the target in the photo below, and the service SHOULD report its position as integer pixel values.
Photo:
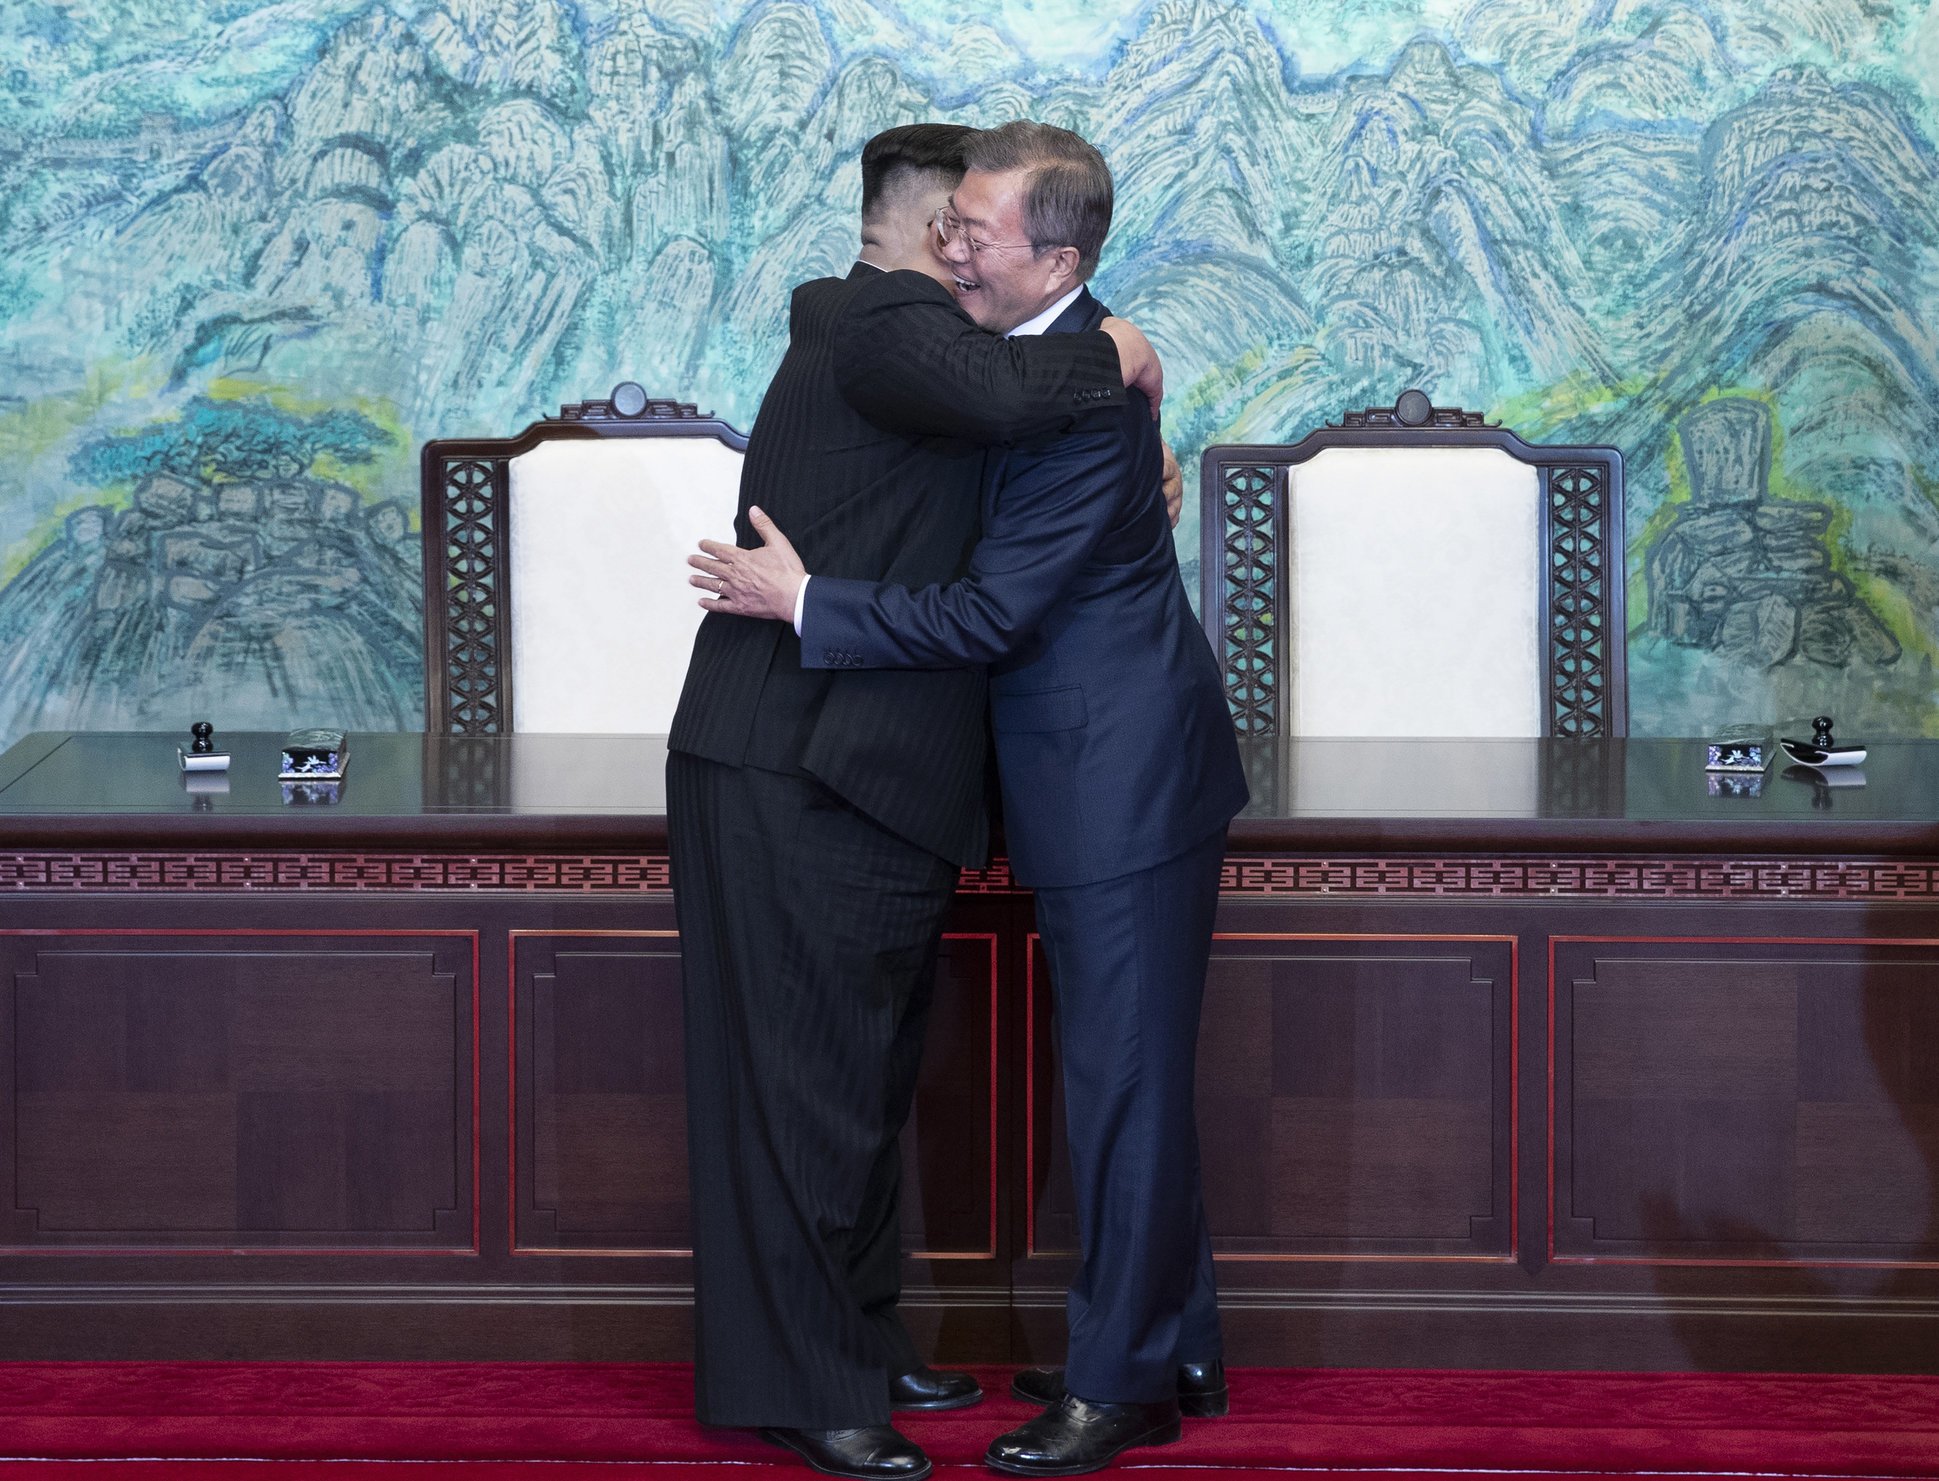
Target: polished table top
(101, 788)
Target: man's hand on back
(1171, 483)
(750, 583)
(1137, 360)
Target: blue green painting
(253, 253)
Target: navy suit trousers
(1127, 968)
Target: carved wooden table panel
(1514, 1053)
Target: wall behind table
(252, 254)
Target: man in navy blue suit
(1120, 772)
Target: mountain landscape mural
(253, 255)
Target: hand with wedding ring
(762, 582)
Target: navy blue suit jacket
(1113, 739)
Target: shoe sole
(813, 1465)
(1165, 1434)
(937, 1406)
(1214, 1405)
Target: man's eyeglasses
(950, 230)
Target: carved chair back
(555, 591)
(1415, 571)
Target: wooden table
(1514, 1054)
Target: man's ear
(1063, 267)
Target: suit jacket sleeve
(907, 358)
(1054, 509)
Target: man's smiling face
(1001, 281)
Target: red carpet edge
(533, 1419)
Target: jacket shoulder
(818, 300)
(902, 286)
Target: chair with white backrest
(1414, 571)
(555, 576)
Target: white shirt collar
(1048, 317)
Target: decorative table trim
(1624, 878)
(1243, 876)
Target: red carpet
(541, 1421)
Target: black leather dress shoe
(876, 1453)
(1202, 1393)
(1074, 1436)
(925, 1390)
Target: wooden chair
(1416, 572)
(555, 590)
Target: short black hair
(912, 149)
(1068, 200)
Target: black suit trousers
(1127, 972)
(809, 936)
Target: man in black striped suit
(818, 820)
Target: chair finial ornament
(1413, 408)
(629, 402)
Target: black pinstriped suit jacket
(907, 748)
